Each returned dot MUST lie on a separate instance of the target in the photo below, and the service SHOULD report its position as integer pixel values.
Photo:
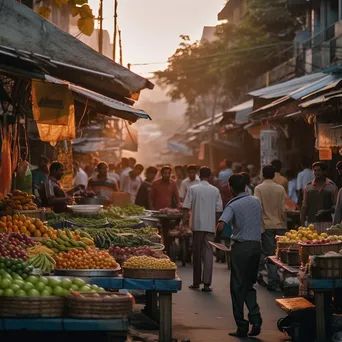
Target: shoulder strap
(236, 199)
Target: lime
(15, 287)
(74, 287)
(66, 283)
(18, 282)
(33, 293)
(20, 293)
(17, 276)
(9, 292)
(32, 279)
(101, 289)
(85, 289)
(45, 293)
(24, 276)
(79, 282)
(28, 286)
(58, 291)
(48, 289)
(2, 292)
(5, 283)
(40, 286)
(53, 282)
(43, 280)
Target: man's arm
(304, 210)
(225, 218)
(187, 205)
(151, 197)
(182, 191)
(219, 205)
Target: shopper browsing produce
(131, 181)
(145, 188)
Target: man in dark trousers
(244, 214)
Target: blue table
(154, 289)
(323, 289)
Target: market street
(203, 317)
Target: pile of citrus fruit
(26, 225)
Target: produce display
(19, 200)
(66, 241)
(122, 223)
(43, 261)
(35, 286)
(129, 210)
(308, 235)
(123, 254)
(93, 221)
(25, 225)
(15, 266)
(105, 239)
(38, 249)
(14, 245)
(146, 262)
(147, 231)
(86, 259)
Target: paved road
(207, 317)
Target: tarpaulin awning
(279, 105)
(89, 145)
(217, 118)
(35, 38)
(178, 147)
(241, 111)
(317, 101)
(114, 107)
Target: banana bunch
(38, 249)
(67, 242)
(44, 261)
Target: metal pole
(120, 45)
(115, 28)
(101, 27)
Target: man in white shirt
(304, 178)
(205, 203)
(112, 173)
(191, 180)
(81, 178)
(132, 181)
(125, 168)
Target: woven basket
(285, 246)
(306, 250)
(292, 257)
(100, 307)
(327, 267)
(334, 231)
(32, 307)
(283, 255)
(142, 273)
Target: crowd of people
(245, 205)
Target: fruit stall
(60, 271)
(311, 264)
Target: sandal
(194, 287)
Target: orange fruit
(45, 235)
(22, 218)
(15, 217)
(43, 228)
(3, 219)
(20, 224)
(31, 228)
(9, 225)
(15, 228)
(23, 230)
(37, 233)
(53, 236)
(9, 218)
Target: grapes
(128, 252)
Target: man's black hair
(268, 171)
(55, 166)
(192, 167)
(205, 172)
(228, 163)
(237, 183)
(320, 164)
(246, 177)
(152, 169)
(277, 165)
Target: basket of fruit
(104, 305)
(143, 267)
(318, 247)
(33, 307)
(327, 266)
(19, 200)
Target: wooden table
(323, 289)
(155, 289)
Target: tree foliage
(217, 71)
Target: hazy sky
(151, 28)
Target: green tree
(210, 75)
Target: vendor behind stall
(101, 184)
(51, 193)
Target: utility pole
(120, 46)
(115, 28)
(101, 27)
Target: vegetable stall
(76, 261)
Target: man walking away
(319, 200)
(191, 180)
(244, 213)
(226, 172)
(278, 178)
(205, 203)
(272, 197)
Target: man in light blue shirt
(226, 172)
(245, 214)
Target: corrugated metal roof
(217, 118)
(285, 88)
(321, 99)
(117, 106)
(242, 111)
